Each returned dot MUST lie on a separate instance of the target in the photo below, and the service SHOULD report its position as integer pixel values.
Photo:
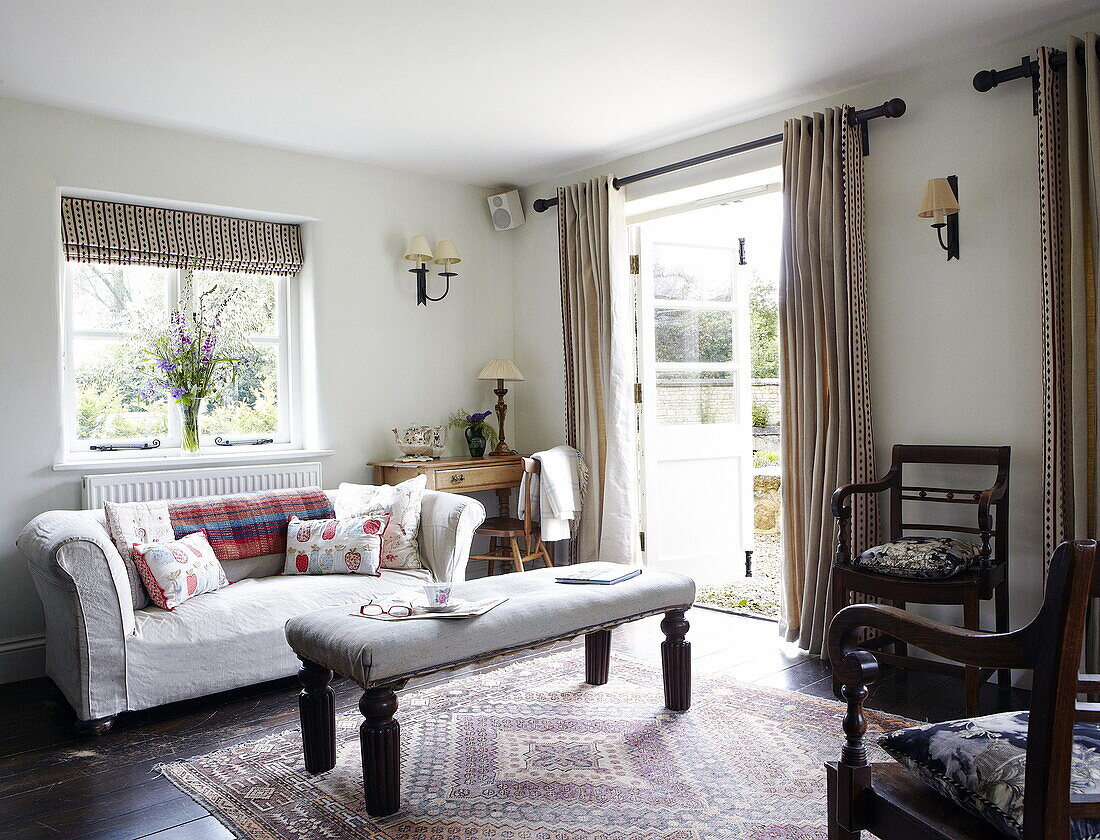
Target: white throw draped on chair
(557, 492)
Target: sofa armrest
(447, 524)
(87, 606)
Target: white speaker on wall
(506, 210)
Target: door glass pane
(108, 384)
(693, 335)
(697, 396)
(686, 272)
(252, 299)
(249, 405)
(117, 297)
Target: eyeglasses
(396, 610)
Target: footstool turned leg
(317, 708)
(597, 656)
(380, 740)
(676, 661)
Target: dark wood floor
(55, 785)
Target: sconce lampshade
(446, 253)
(939, 200)
(501, 369)
(418, 250)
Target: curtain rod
(891, 109)
(1028, 68)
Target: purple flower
(149, 391)
(477, 418)
(165, 365)
(178, 393)
(208, 347)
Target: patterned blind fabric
(130, 234)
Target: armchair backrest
(991, 522)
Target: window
(107, 310)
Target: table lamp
(502, 371)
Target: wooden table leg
(380, 741)
(676, 661)
(317, 709)
(597, 656)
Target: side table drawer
(479, 477)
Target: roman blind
(132, 234)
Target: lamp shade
(501, 369)
(446, 253)
(939, 200)
(418, 250)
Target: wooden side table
(458, 475)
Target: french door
(695, 411)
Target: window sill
(206, 458)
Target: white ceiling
(486, 92)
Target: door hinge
(641, 539)
(638, 393)
(635, 264)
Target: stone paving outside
(758, 595)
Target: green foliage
(763, 329)
(260, 416)
(461, 420)
(761, 415)
(763, 460)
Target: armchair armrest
(87, 607)
(840, 510)
(447, 525)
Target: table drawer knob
(458, 478)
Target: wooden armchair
(888, 800)
(987, 578)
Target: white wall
(382, 362)
(955, 347)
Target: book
(604, 577)
(463, 609)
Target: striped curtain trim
(130, 234)
(567, 328)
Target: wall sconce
(941, 203)
(446, 255)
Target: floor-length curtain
(824, 393)
(1069, 178)
(598, 323)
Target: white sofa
(108, 657)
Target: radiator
(179, 484)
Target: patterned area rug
(529, 752)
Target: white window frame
(286, 340)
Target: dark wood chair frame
(889, 801)
(504, 531)
(987, 579)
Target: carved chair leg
(540, 548)
(517, 557)
(1000, 605)
(835, 831)
(380, 741)
(676, 661)
(597, 656)
(971, 621)
(317, 710)
(837, 602)
(95, 726)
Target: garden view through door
(696, 418)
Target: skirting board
(22, 658)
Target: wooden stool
(504, 532)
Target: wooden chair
(988, 578)
(504, 531)
(889, 801)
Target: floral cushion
(399, 545)
(173, 572)
(923, 558)
(979, 763)
(137, 522)
(351, 546)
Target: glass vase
(189, 423)
(475, 442)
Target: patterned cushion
(335, 546)
(244, 525)
(137, 522)
(399, 546)
(176, 571)
(924, 558)
(979, 763)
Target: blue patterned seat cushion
(979, 763)
(922, 558)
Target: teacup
(438, 594)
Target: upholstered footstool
(382, 656)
